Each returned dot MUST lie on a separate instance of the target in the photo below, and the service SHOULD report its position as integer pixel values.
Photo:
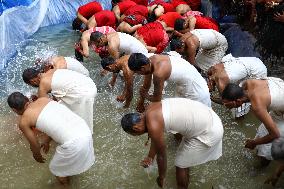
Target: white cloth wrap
(75, 65)
(200, 126)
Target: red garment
(154, 35)
(141, 2)
(169, 18)
(137, 9)
(135, 19)
(204, 22)
(89, 9)
(194, 4)
(124, 5)
(105, 18)
(176, 3)
(167, 6)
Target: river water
(117, 153)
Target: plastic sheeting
(6, 4)
(19, 23)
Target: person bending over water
(212, 46)
(60, 62)
(74, 153)
(200, 126)
(73, 89)
(189, 82)
(266, 98)
(112, 65)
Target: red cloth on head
(135, 19)
(204, 22)
(194, 4)
(105, 18)
(176, 3)
(154, 35)
(137, 9)
(169, 18)
(89, 9)
(141, 2)
(124, 5)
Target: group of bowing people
(67, 94)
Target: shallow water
(117, 153)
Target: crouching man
(200, 126)
(74, 153)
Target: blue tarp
(6, 4)
(20, 22)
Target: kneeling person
(75, 152)
(200, 126)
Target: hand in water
(250, 144)
(160, 181)
(271, 180)
(38, 157)
(146, 162)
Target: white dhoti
(264, 150)
(73, 157)
(75, 65)
(213, 46)
(76, 91)
(192, 152)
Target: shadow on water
(117, 154)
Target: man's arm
(82, 18)
(85, 43)
(143, 92)
(158, 88)
(273, 132)
(113, 51)
(191, 51)
(128, 88)
(34, 145)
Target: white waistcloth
(212, 48)
(76, 91)
(200, 126)
(189, 83)
(73, 157)
(75, 153)
(129, 44)
(75, 65)
(276, 89)
(242, 68)
(264, 150)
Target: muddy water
(117, 154)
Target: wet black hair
(95, 36)
(232, 92)
(107, 61)
(129, 120)
(152, 17)
(29, 74)
(17, 100)
(136, 61)
(77, 24)
(79, 56)
(179, 24)
(277, 149)
(175, 44)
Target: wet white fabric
(242, 68)
(76, 91)
(129, 44)
(212, 48)
(75, 65)
(75, 153)
(200, 126)
(276, 89)
(189, 83)
(264, 150)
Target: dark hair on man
(175, 44)
(129, 120)
(152, 17)
(95, 36)
(179, 24)
(77, 24)
(17, 100)
(107, 61)
(29, 74)
(136, 61)
(232, 92)
(277, 149)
